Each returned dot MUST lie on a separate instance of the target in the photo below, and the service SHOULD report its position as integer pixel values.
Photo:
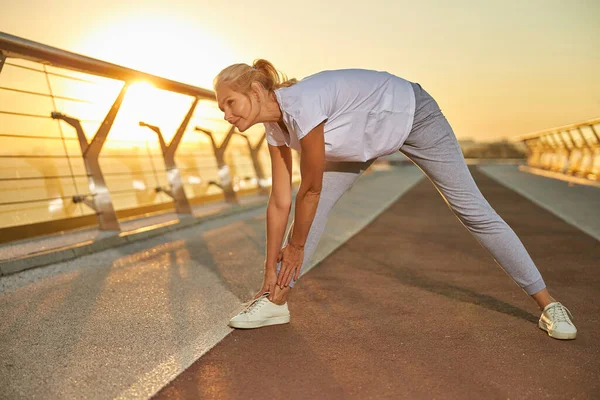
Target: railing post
(561, 148)
(549, 151)
(595, 133)
(588, 169)
(595, 171)
(101, 201)
(566, 152)
(176, 191)
(571, 145)
(533, 156)
(2, 60)
(226, 183)
(577, 165)
(263, 188)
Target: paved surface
(413, 307)
(577, 204)
(124, 322)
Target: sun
(170, 47)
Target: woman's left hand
(291, 258)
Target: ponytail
(240, 76)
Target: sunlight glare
(173, 48)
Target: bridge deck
(409, 307)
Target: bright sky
(498, 68)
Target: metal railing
(569, 151)
(82, 138)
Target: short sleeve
(274, 136)
(308, 113)
(305, 104)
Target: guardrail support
(577, 166)
(595, 134)
(226, 183)
(263, 188)
(176, 190)
(101, 201)
(565, 154)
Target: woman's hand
(269, 282)
(291, 258)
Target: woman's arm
(312, 164)
(280, 202)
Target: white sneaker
(555, 320)
(261, 312)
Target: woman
(340, 122)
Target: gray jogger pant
(432, 146)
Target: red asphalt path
(414, 308)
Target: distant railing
(168, 147)
(571, 151)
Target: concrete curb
(119, 239)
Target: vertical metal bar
(182, 204)
(585, 168)
(62, 137)
(152, 163)
(532, 151)
(551, 146)
(224, 174)
(2, 59)
(181, 130)
(176, 191)
(546, 153)
(254, 153)
(100, 137)
(585, 141)
(574, 166)
(559, 164)
(260, 173)
(593, 167)
(540, 148)
(595, 133)
(102, 202)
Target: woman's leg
(433, 147)
(337, 179)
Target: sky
(498, 68)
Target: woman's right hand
(269, 283)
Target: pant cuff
(535, 287)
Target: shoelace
(255, 304)
(557, 311)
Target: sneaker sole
(259, 324)
(556, 335)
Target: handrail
(565, 152)
(63, 183)
(16, 47)
(534, 135)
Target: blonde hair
(239, 77)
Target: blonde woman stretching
(340, 122)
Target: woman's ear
(258, 91)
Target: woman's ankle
(543, 298)
(281, 295)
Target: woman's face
(240, 110)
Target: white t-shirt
(368, 113)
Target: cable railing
(570, 152)
(88, 142)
